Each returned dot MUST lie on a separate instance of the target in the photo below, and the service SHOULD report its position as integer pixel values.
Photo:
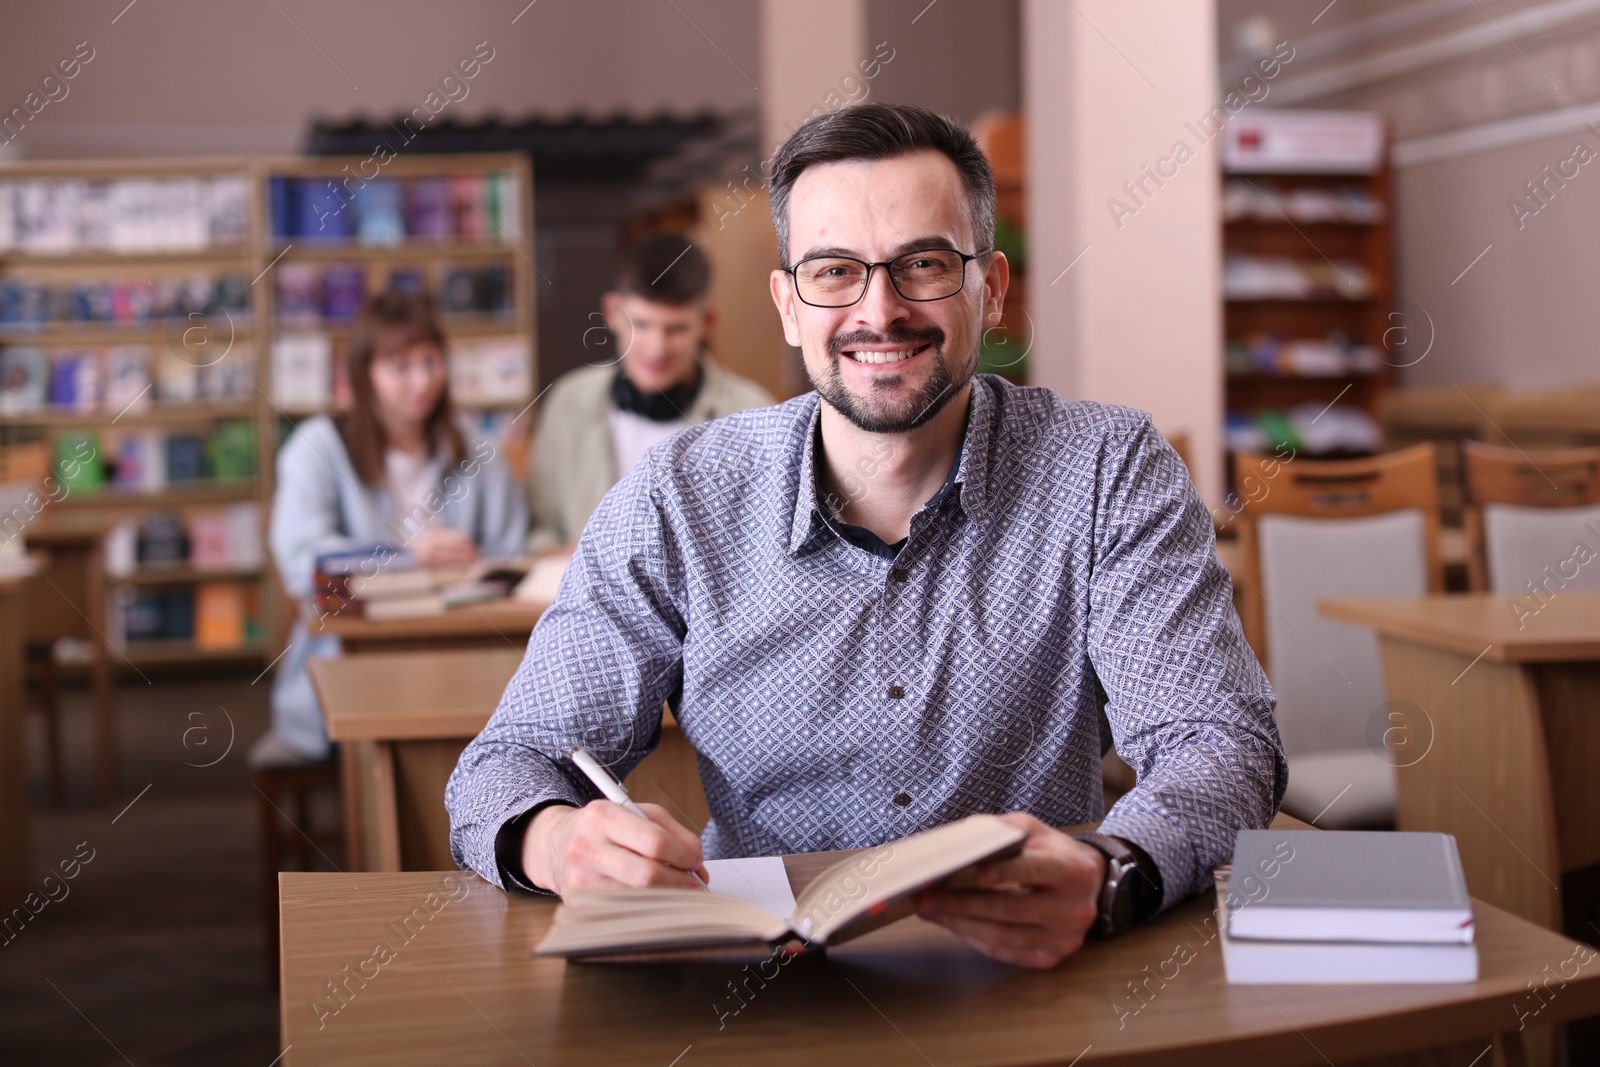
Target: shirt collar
(971, 471)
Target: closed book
(219, 615)
(428, 203)
(380, 218)
(1360, 886)
(343, 288)
(1336, 963)
(425, 606)
(324, 211)
(24, 379)
(186, 458)
(302, 368)
(232, 450)
(128, 379)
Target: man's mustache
(921, 335)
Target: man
(912, 595)
(597, 421)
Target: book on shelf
(302, 367)
(380, 213)
(24, 379)
(491, 370)
(219, 615)
(231, 450)
(856, 895)
(386, 212)
(128, 381)
(185, 457)
(75, 381)
(132, 215)
(79, 464)
(1303, 141)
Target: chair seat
(269, 753)
(1366, 782)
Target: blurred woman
(396, 470)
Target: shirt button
(902, 799)
(896, 692)
(899, 574)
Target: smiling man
(911, 595)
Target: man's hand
(1038, 924)
(604, 844)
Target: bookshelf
(1307, 300)
(141, 315)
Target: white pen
(613, 790)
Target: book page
(599, 921)
(864, 884)
(759, 880)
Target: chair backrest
(1311, 530)
(1327, 674)
(1330, 489)
(1526, 511)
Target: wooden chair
(1311, 530)
(286, 786)
(1527, 506)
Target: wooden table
(1503, 712)
(453, 982)
(16, 865)
(402, 719)
(494, 623)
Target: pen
(613, 790)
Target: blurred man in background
(598, 420)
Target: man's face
(887, 364)
(658, 342)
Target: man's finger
(1036, 908)
(650, 838)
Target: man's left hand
(1045, 918)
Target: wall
(1480, 97)
(243, 78)
(1129, 313)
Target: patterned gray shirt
(838, 699)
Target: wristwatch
(1130, 892)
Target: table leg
(350, 792)
(383, 815)
(1485, 777)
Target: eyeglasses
(839, 281)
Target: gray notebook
(1327, 885)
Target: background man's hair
(883, 131)
(664, 268)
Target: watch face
(1122, 907)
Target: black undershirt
(860, 536)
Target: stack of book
(34, 303)
(384, 584)
(1317, 906)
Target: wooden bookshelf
(252, 330)
(1359, 308)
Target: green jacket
(572, 464)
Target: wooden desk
(16, 865)
(402, 720)
(1510, 708)
(457, 984)
(496, 623)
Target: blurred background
(1312, 230)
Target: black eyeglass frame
(885, 264)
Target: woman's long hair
(388, 324)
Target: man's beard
(914, 410)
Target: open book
(860, 893)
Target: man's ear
(617, 320)
(996, 280)
(783, 298)
(708, 320)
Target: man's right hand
(604, 844)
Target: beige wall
(1491, 113)
(1108, 85)
(187, 77)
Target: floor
(168, 904)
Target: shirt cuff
(508, 849)
(1159, 836)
